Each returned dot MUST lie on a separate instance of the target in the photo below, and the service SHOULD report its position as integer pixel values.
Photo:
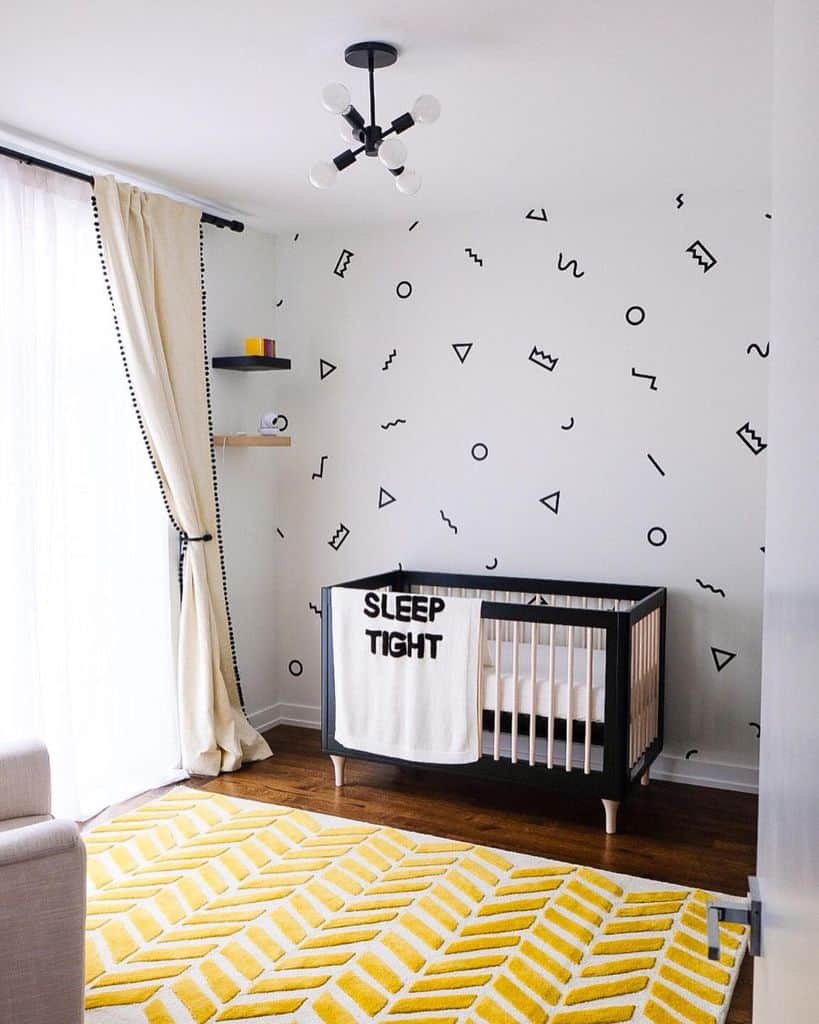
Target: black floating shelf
(249, 364)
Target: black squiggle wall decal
(707, 586)
(494, 564)
(567, 426)
(449, 522)
(680, 199)
(392, 423)
(755, 348)
(569, 265)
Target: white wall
(239, 279)
(697, 328)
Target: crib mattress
(562, 702)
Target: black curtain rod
(26, 158)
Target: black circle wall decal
(657, 536)
(479, 451)
(403, 289)
(295, 668)
(635, 315)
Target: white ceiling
(586, 99)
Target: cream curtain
(151, 249)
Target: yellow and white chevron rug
(208, 908)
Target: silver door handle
(747, 911)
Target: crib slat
(589, 673)
(533, 638)
(550, 725)
(498, 684)
(570, 694)
(515, 665)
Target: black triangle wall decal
(325, 368)
(531, 215)
(385, 498)
(462, 349)
(552, 501)
(722, 658)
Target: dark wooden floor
(681, 834)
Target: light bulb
(349, 135)
(408, 182)
(426, 109)
(392, 153)
(336, 98)
(323, 174)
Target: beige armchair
(42, 896)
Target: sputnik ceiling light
(371, 139)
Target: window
(87, 596)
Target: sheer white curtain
(87, 598)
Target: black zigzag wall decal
(749, 437)
(390, 358)
(646, 376)
(343, 262)
(543, 359)
(701, 256)
(338, 538)
(474, 256)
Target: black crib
(585, 735)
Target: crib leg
(338, 768)
(611, 807)
(646, 778)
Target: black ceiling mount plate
(358, 55)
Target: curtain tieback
(188, 540)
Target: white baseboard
(713, 774)
(667, 767)
(305, 716)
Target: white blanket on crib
(406, 675)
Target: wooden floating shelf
(250, 363)
(252, 440)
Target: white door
(786, 977)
